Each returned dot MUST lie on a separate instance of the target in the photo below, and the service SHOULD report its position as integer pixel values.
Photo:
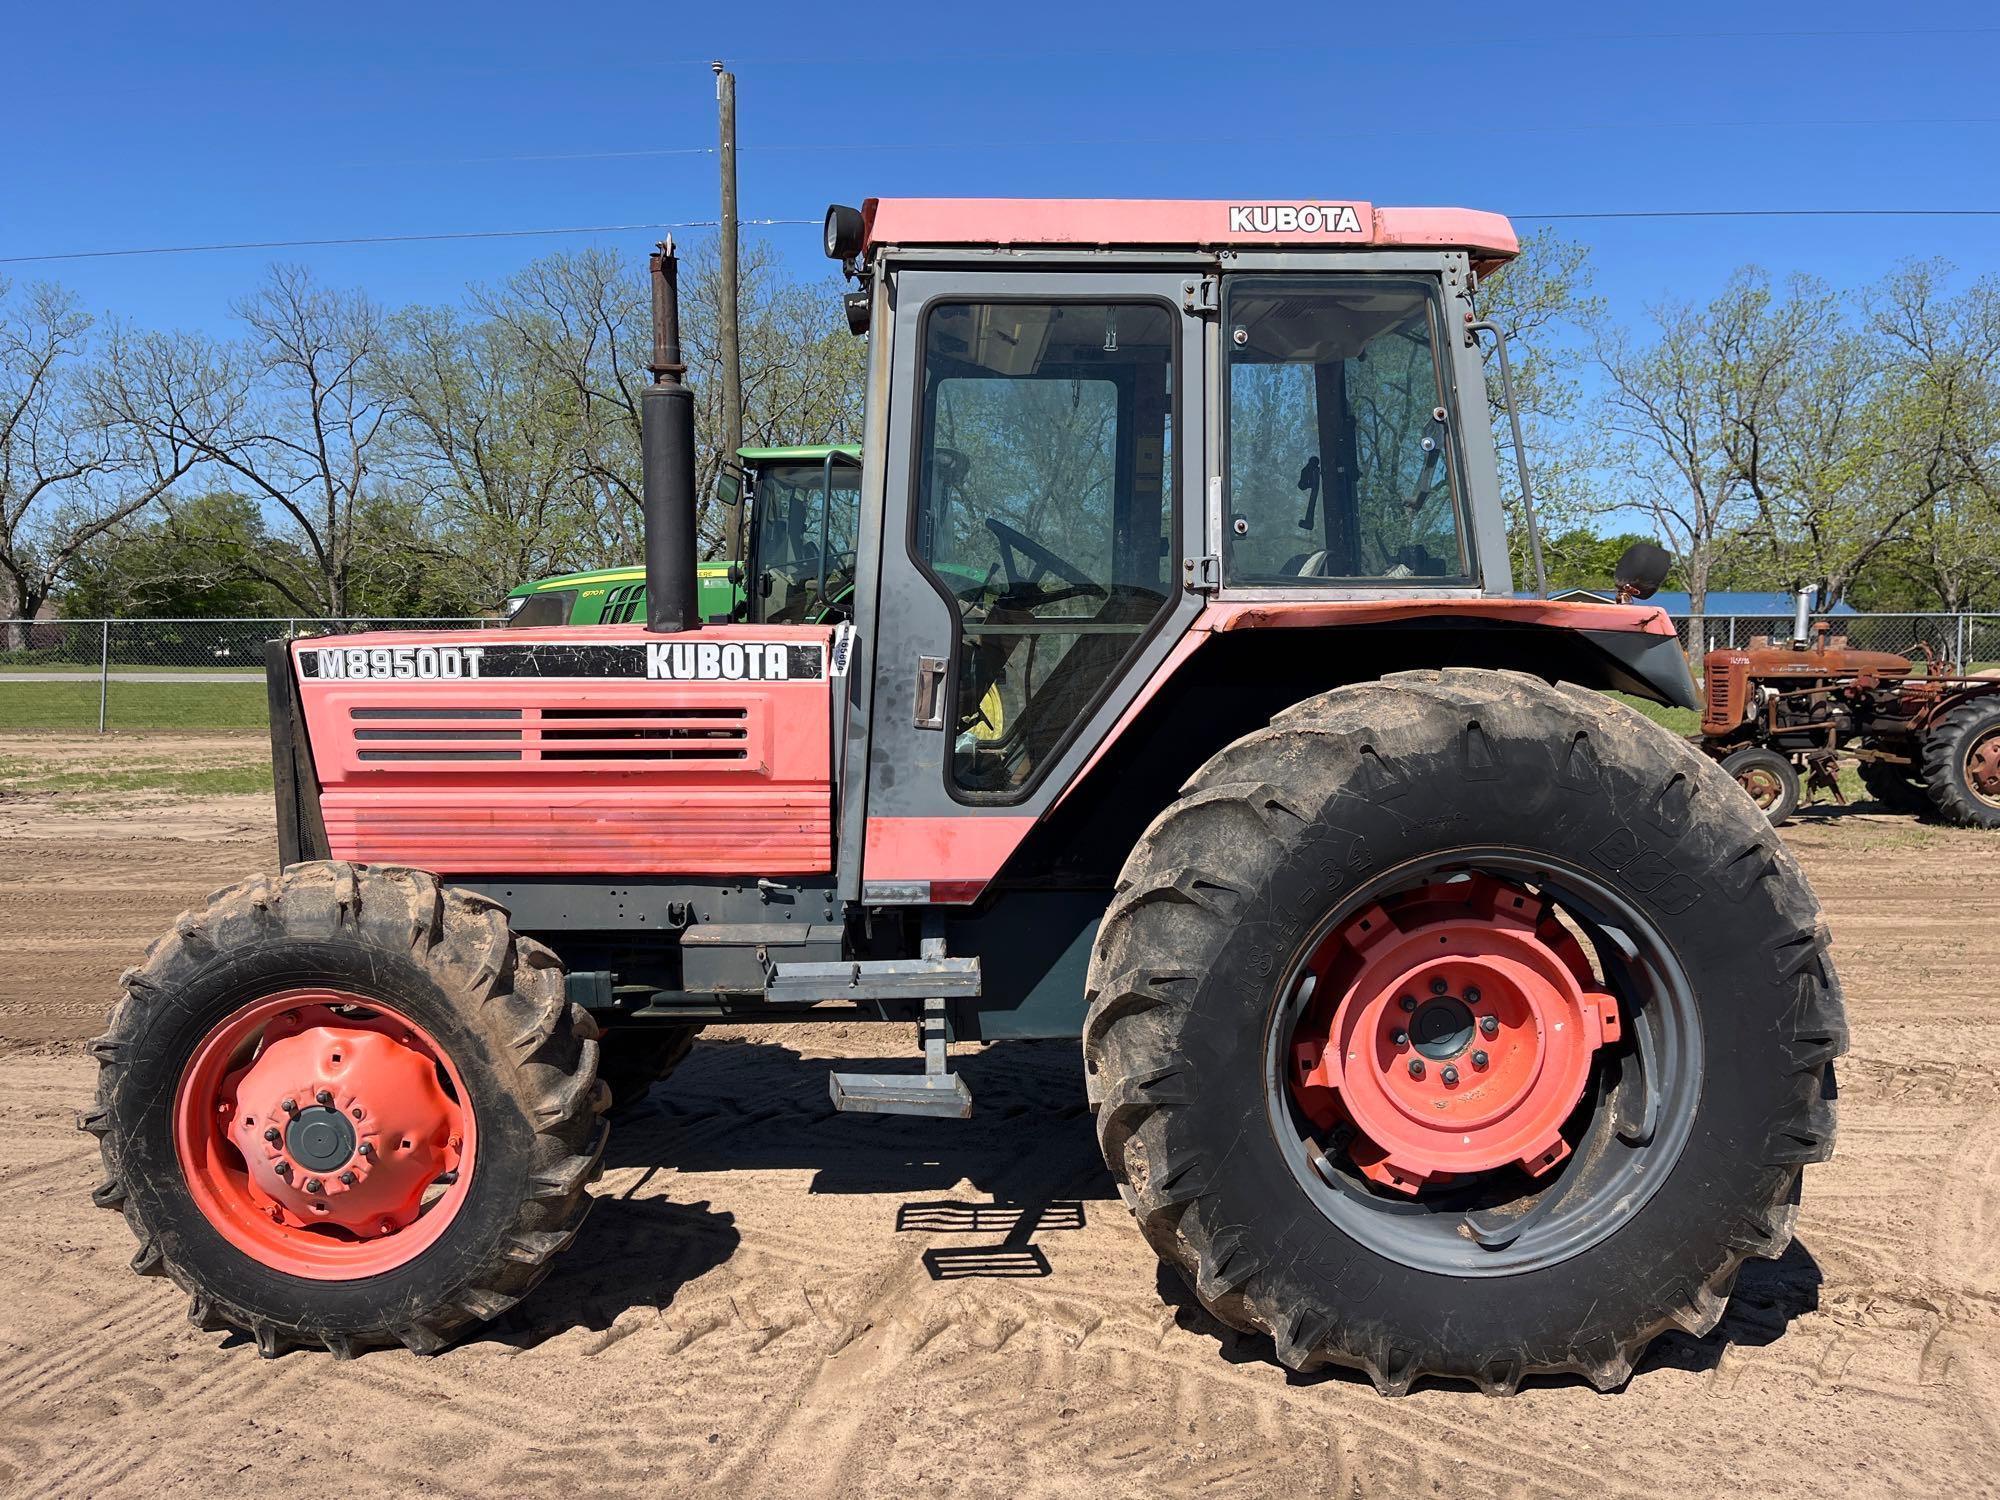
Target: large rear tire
(345, 1107)
(1897, 787)
(1962, 764)
(1508, 818)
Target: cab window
(1342, 466)
(1044, 513)
(804, 563)
(550, 608)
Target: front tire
(1768, 779)
(1434, 799)
(347, 1107)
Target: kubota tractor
(1927, 736)
(1440, 1015)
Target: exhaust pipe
(1802, 618)
(666, 446)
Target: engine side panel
(574, 750)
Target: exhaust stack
(1802, 618)
(666, 445)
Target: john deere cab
(800, 562)
(1439, 1015)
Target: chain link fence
(134, 675)
(208, 675)
(1972, 642)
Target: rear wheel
(1769, 779)
(1962, 764)
(1899, 788)
(1460, 1025)
(345, 1107)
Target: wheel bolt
(1450, 1074)
(1471, 994)
(324, 1098)
(1399, 1038)
(1416, 1067)
(1489, 1026)
(1479, 1059)
(366, 1150)
(1408, 1002)
(349, 1178)
(283, 1169)
(1439, 985)
(272, 1135)
(311, 1184)
(290, 1106)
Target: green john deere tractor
(797, 496)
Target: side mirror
(1641, 571)
(728, 488)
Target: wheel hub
(1763, 786)
(1450, 1032)
(1982, 768)
(320, 1139)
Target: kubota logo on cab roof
(1293, 218)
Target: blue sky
(156, 125)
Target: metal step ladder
(937, 1091)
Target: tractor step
(937, 1091)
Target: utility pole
(731, 352)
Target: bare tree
(302, 424)
(73, 465)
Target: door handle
(930, 693)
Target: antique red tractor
(1440, 1015)
(1780, 716)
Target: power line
(505, 234)
(377, 239)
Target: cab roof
(798, 453)
(1219, 223)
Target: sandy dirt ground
(770, 1299)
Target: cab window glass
(551, 608)
(1045, 511)
(1340, 465)
(805, 540)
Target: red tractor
(1927, 738)
(1440, 1016)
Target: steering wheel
(1014, 547)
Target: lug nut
(290, 1106)
(1399, 1038)
(1416, 1067)
(284, 1169)
(271, 1134)
(324, 1098)
(1408, 1002)
(1471, 994)
(349, 1178)
(1439, 985)
(1450, 1074)
(366, 1150)
(1489, 1026)
(311, 1184)
(1479, 1059)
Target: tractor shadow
(1029, 1149)
(1769, 1295)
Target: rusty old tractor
(1440, 1016)
(1780, 716)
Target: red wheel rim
(1982, 769)
(324, 1134)
(1450, 1032)
(1763, 785)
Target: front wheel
(347, 1107)
(1465, 1026)
(1768, 779)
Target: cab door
(1040, 512)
